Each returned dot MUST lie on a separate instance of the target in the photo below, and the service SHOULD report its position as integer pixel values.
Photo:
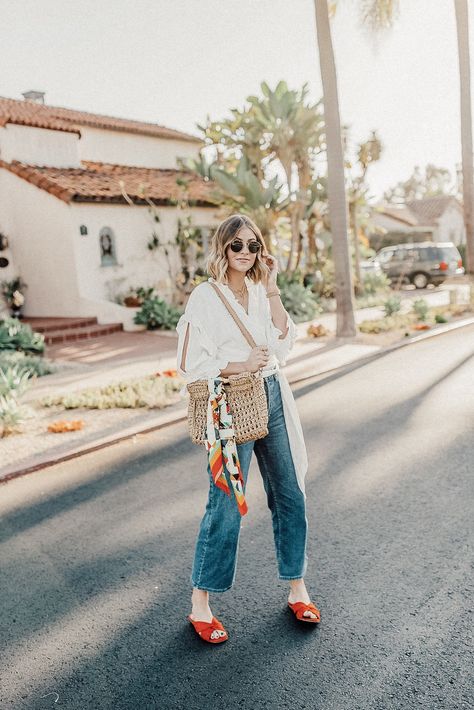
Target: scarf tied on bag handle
(221, 446)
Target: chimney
(36, 96)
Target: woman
(210, 345)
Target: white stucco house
(444, 215)
(75, 194)
(439, 219)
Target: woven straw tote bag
(245, 394)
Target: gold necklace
(240, 294)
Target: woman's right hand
(258, 358)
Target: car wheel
(420, 280)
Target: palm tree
(462, 26)
(368, 153)
(345, 322)
(294, 131)
(377, 14)
(277, 129)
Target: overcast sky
(175, 61)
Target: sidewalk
(122, 356)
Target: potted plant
(136, 296)
(12, 292)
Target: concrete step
(48, 324)
(91, 331)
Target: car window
(426, 253)
(448, 254)
(400, 254)
(385, 256)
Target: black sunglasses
(253, 246)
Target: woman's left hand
(272, 264)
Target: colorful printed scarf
(221, 446)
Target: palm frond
(378, 15)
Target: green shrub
(15, 335)
(392, 305)
(373, 282)
(34, 364)
(439, 318)
(314, 279)
(284, 279)
(137, 294)
(157, 314)
(420, 307)
(299, 300)
(11, 415)
(329, 279)
(13, 381)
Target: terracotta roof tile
(23, 119)
(101, 182)
(400, 213)
(29, 113)
(430, 209)
(421, 213)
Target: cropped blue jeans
(216, 551)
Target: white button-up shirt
(215, 340)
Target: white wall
(39, 229)
(384, 221)
(39, 146)
(9, 272)
(137, 265)
(121, 148)
(63, 268)
(451, 226)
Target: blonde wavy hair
(226, 232)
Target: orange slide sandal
(299, 608)
(204, 630)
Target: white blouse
(215, 340)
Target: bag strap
(234, 315)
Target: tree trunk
(299, 251)
(336, 186)
(312, 249)
(295, 233)
(466, 129)
(358, 277)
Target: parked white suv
(420, 263)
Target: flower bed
(155, 391)
(399, 326)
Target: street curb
(441, 330)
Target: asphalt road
(95, 557)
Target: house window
(206, 233)
(108, 254)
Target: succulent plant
(12, 415)
(392, 305)
(151, 392)
(13, 379)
